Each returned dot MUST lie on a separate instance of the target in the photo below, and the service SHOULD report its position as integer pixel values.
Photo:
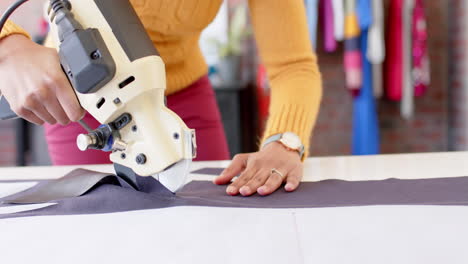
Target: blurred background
(408, 93)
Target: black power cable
(10, 11)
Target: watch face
(291, 140)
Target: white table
(373, 234)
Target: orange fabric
(282, 36)
(352, 29)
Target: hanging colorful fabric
(352, 56)
(393, 66)
(312, 18)
(338, 19)
(421, 69)
(376, 47)
(407, 101)
(364, 14)
(328, 26)
(365, 121)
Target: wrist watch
(288, 139)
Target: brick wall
(458, 77)
(429, 129)
(7, 143)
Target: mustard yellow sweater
(282, 37)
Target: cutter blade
(175, 177)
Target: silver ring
(277, 172)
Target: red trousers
(196, 105)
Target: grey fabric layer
(108, 198)
(75, 183)
(209, 171)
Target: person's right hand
(34, 84)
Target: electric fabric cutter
(119, 78)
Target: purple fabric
(328, 26)
(353, 44)
(108, 198)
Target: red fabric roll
(393, 66)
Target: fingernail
(289, 187)
(245, 191)
(231, 190)
(262, 190)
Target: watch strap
(277, 137)
(271, 139)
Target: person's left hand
(256, 171)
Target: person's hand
(257, 174)
(34, 84)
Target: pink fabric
(328, 26)
(394, 63)
(196, 105)
(353, 71)
(421, 71)
(353, 60)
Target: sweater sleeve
(281, 33)
(11, 28)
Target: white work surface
(372, 234)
